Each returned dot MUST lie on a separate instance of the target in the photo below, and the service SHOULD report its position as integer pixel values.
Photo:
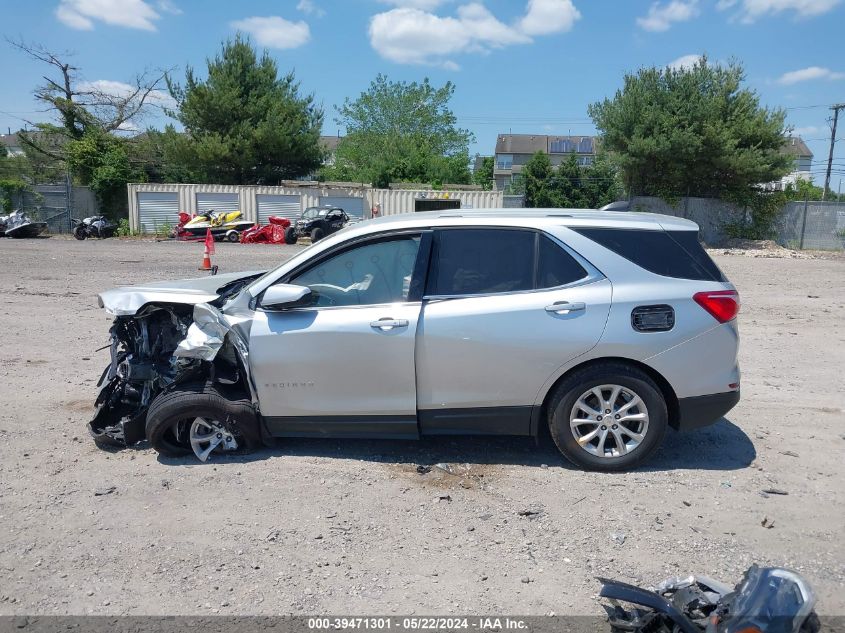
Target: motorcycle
(222, 225)
(95, 226)
(767, 600)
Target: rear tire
(317, 235)
(290, 235)
(566, 405)
(79, 232)
(183, 405)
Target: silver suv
(606, 327)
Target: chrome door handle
(564, 307)
(388, 324)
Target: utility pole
(836, 108)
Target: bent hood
(127, 300)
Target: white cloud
(549, 16)
(685, 62)
(809, 74)
(309, 8)
(133, 14)
(483, 28)
(121, 89)
(275, 32)
(168, 7)
(751, 10)
(412, 35)
(424, 5)
(660, 17)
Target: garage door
(217, 202)
(352, 205)
(156, 210)
(283, 206)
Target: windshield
(313, 212)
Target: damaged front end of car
(164, 336)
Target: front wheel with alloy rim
(608, 417)
(199, 418)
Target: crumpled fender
(207, 335)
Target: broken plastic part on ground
(774, 600)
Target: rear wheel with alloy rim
(608, 417)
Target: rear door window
(483, 261)
(488, 261)
(668, 253)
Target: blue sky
(527, 66)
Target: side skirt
(392, 427)
(476, 421)
(467, 421)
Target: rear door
(504, 309)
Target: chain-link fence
(56, 204)
(812, 225)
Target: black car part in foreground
(767, 600)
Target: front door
(343, 366)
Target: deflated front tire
(200, 418)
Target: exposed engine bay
(161, 345)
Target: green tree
(483, 175)
(570, 186)
(101, 161)
(691, 131)
(244, 124)
(398, 131)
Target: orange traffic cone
(209, 249)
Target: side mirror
(283, 296)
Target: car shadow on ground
(722, 446)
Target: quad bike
(767, 600)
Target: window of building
(504, 161)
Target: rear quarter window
(669, 253)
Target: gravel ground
(324, 526)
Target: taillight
(723, 305)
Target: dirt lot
(321, 526)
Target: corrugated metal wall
(391, 201)
(157, 209)
(284, 206)
(353, 205)
(217, 202)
